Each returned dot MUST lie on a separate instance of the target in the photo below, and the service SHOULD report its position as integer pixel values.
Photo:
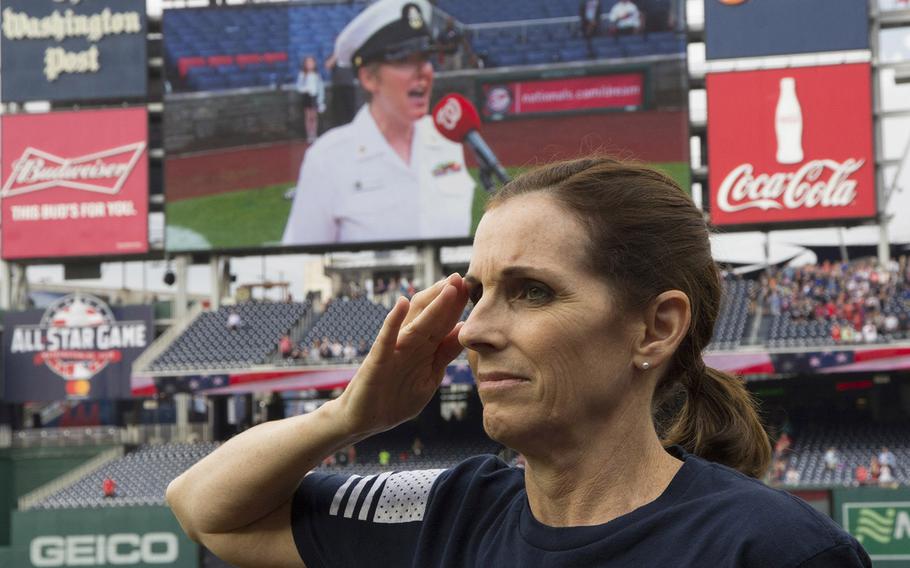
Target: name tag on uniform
(368, 185)
(446, 168)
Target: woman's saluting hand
(418, 339)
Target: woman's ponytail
(719, 422)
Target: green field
(256, 217)
(238, 219)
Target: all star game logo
(77, 338)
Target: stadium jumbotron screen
(235, 125)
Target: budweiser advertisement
(74, 184)
(508, 99)
(791, 146)
(78, 347)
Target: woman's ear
(666, 323)
(368, 75)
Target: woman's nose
(484, 330)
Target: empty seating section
(141, 477)
(473, 12)
(208, 343)
(434, 455)
(538, 39)
(561, 42)
(734, 313)
(347, 320)
(220, 48)
(855, 444)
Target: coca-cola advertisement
(791, 146)
(74, 184)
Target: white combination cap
(387, 30)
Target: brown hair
(648, 237)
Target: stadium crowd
(864, 302)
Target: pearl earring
(645, 366)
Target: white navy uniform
(353, 187)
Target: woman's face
(309, 64)
(401, 89)
(548, 345)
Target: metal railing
(109, 435)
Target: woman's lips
(499, 381)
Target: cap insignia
(415, 20)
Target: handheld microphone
(457, 119)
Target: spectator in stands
(417, 448)
(832, 460)
(886, 457)
(349, 352)
(337, 350)
(870, 334)
(388, 175)
(312, 96)
(325, 348)
(286, 347)
(234, 322)
(835, 332)
(861, 475)
(109, 488)
(590, 13)
(792, 476)
(314, 354)
(778, 470)
(886, 479)
(363, 348)
(782, 446)
(847, 334)
(625, 18)
(451, 42)
(594, 294)
(875, 469)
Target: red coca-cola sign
(791, 145)
(74, 184)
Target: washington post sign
(77, 348)
(73, 50)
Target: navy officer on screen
(388, 175)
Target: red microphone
(457, 119)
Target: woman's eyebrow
(518, 271)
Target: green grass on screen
(256, 217)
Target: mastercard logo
(732, 2)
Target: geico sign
(120, 549)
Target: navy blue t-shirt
(477, 514)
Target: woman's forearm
(255, 472)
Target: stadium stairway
(297, 333)
(143, 363)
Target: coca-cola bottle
(788, 124)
